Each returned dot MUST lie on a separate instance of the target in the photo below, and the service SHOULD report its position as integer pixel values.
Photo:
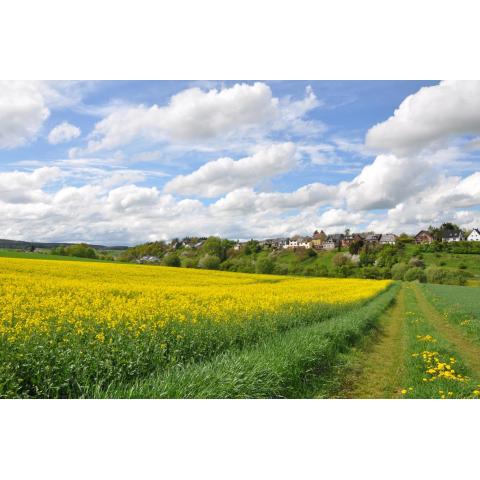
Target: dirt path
(379, 368)
(469, 351)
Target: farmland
(73, 328)
(104, 330)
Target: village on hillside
(321, 241)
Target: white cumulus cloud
(429, 117)
(192, 114)
(226, 174)
(64, 132)
(22, 112)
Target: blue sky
(130, 161)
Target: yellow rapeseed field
(41, 295)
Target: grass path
(378, 370)
(470, 351)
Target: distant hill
(4, 243)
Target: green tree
(81, 250)
(252, 246)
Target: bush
(209, 262)
(345, 270)
(413, 274)
(436, 274)
(416, 262)
(445, 276)
(339, 260)
(310, 271)
(189, 262)
(315, 270)
(398, 271)
(295, 269)
(264, 265)
(322, 271)
(366, 259)
(171, 260)
(302, 254)
(279, 269)
(372, 273)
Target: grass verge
(434, 367)
(458, 305)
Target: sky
(124, 162)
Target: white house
(148, 259)
(298, 242)
(329, 245)
(388, 239)
(452, 236)
(474, 235)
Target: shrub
(322, 271)
(295, 269)
(345, 270)
(372, 273)
(279, 269)
(264, 265)
(435, 275)
(366, 259)
(210, 262)
(315, 270)
(445, 276)
(416, 262)
(457, 277)
(398, 271)
(303, 253)
(171, 260)
(413, 274)
(189, 262)
(339, 260)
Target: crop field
(75, 329)
(101, 330)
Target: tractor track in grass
(378, 369)
(469, 351)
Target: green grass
(449, 260)
(424, 341)
(459, 305)
(375, 370)
(9, 253)
(297, 363)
